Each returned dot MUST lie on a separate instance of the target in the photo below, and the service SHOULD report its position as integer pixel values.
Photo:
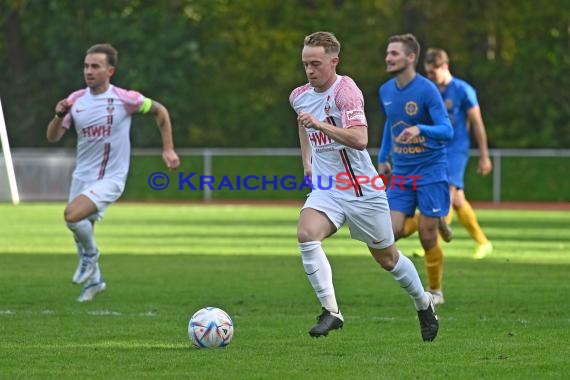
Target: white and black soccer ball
(210, 327)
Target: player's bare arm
(305, 152)
(476, 120)
(385, 169)
(354, 137)
(165, 126)
(55, 131)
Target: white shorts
(368, 219)
(103, 193)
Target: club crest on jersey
(449, 104)
(328, 106)
(411, 108)
(110, 107)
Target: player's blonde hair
(436, 57)
(325, 39)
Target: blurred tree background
(225, 68)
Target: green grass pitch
(505, 317)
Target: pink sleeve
(133, 100)
(296, 92)
(71, 99)
(350, 102)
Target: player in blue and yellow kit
(461, 102)
(415, 132)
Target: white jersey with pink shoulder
(345, 168)
(102, 122)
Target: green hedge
(523, 179)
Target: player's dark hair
(436, 57)
(325, 39)
(108, 50)
(410, 42)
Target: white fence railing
(44, 174)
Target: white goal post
(8, 159)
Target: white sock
(83, 233)
(319, 273)
(96, 276)
(80, 249)
(406, 275)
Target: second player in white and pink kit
(101, 116)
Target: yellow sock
(468, 219)
(434, 266)
(411, 225)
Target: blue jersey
(419, 103)
(459, 97)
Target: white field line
(103, 313)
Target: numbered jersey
(336, 167)
(102, 123)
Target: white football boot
(86, 267)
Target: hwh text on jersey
(96, 131)
(319, 138)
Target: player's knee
(304, 235)
(386, 257)
(428, 240)
(70, 216)
(428, 235)
(458, 199)
(388, 262)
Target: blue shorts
(456, 164)
(431, 199)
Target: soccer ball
(210, 327)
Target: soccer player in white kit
(333, 135)
(101, 115)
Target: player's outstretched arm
(162, 117)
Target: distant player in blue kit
(415, 132)
(461, 102)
